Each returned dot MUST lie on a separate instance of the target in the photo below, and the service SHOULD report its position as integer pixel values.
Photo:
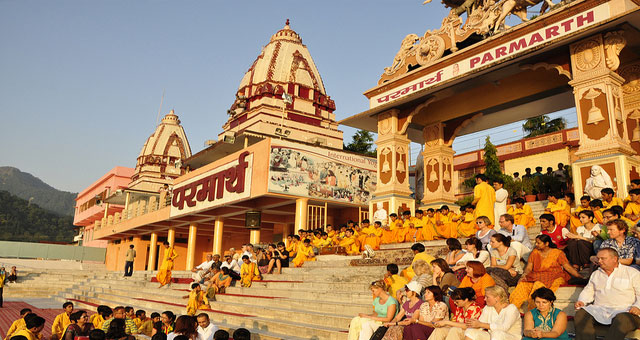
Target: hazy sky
(81, 81)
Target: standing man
(484, 197)
(611, 300)
(500, 206)
(128, 264)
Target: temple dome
(162, 155)
(285, 59)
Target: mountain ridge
(27, 186)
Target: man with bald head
(610, 303)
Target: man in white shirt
(200, 271)
(234, 267)
(500, 206)
(205, 328)
(518, 233)
(247, 249)
(611, 298)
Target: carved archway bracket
(561, 70)
(403, 129)
(449, 139)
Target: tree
(362, 143)
(541, 125)
(491, 163)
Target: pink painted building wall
(88, 212)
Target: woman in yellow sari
(164, 273)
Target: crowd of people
(479, 289)
(120, 323)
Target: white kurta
(500, 206)
(613, 294)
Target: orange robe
(633, 208)
(305, 253)
(391, 235)
(371, 236)
(410, 232)
(350, 245)
(614, 201)
(561, 211)
(574, 222)
(429, 230)
(522, 216)
(448, 228)
(467, 225)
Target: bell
(636, 133)
(595, 115)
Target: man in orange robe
(390, 231)
(559, 208)
(447, 223)
(522, 213)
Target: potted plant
(527, 187)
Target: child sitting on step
(197, 299)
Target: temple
(277, 167)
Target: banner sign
(314, 172)
(218, 186)
(509, 49)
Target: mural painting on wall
(320, 174)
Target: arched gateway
(463, 78)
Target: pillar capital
(438, 166)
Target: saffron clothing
(146, 327)
(506, 325)
(487, 198)
(614, 201)
(60, 323)
(27, 334)
(395, 282)
(15, 326)
(483, 282)
(292, 248)
(409, 273)
(546, 323)
(561, 211)
(546, 272)
(305, 253)
(97, 320)
(164, 273)
(350, 245)
(467, 226)
(371, 236)
(633, 208)
(249, 273)
(522, 216)
(445, 225)
(196, 301)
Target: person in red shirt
(556, 232)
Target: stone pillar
(392, 189)
(438, 167)
(217, 236)
(153, 244)
(191, 246)
(302, 207)
(631, 98)
(254, 236)
(597, 88)
(286, 230)
(171, 237)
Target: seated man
(305, 253)
(445, 223)
(62, 321)
(350, 243)
(632, 211)
(119, 313)
(610, 301)
(522, 213)
(393, 280)
(559, 208)
(419, 254)
(518, 233)
(627, 247)
(609, 199)
(200, 271)
(18, 324)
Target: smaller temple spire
(286, 24)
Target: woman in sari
(164, 273)
(79, 327)
(219, 283)
(248, 272)
(546, 268)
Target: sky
(81, 81)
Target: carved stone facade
(393, 188)
(438, 166)
(603, 116)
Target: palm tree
(541, 125)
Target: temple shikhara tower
(284, 67)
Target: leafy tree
(541, 125)
(491, 163)
(362, 143)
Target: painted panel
(308, 171)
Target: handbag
(379, 333)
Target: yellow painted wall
(545, 159)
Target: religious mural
(321, 173)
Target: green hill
(21, 221)
(27, 186)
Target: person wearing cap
(403, 318)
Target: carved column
(438, 167)
(631, 98)
(602, 120)
(392, 188)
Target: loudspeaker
(252, 219)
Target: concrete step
(345, 297)
(251, 322)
